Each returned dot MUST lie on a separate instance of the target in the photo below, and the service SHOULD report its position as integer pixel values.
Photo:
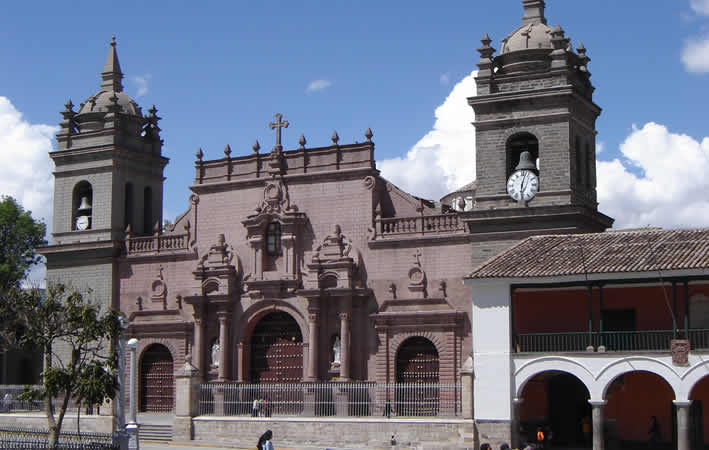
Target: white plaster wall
(491, 351)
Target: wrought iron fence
(10, 403)
(29, 438)
(613, 341)
(331, 399)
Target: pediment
(409, 305)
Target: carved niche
(277, 272)
(159, 289)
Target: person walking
(264, 442)
(254, 408)
(540, 437)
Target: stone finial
(486, 51)
(69, 106)
(256, 147)
(199, 154)
(302, 142)
(533, 12)
(368, 134)
(227, 151)
(335, 138)
(583, 59)
(111, 75)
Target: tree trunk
(49, 405)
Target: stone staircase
(155, 433)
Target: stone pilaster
(466, 384)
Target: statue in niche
(216, 353)
(336, 351)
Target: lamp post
(132, 426)
(120, 404)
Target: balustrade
(157, 244)
(422, 225)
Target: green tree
(77, 342)
(20, 235)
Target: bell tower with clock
(108, 176)
(535, 128)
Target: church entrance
(277, 350)
(157, 388)
(417, 370)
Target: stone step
(160, 433)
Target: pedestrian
(528, 446)
(540, 437)
(266, 410)
(264, 442)
(254, 408)
(485, 446)
(504, 446)
(586, 429)
(654, 432)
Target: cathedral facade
(305, 264)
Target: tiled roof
(609, 252)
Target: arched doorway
(157, 388)
(277, 350)
(699, 415)
(417, 375)
(633, 398)
(556, 401)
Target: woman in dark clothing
(264, 442)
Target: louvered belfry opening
(417, 363)
(157, 384)
(277, 350)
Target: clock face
(82, 222)
(523, 185)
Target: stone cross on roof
(278, 125)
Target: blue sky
(219, 71)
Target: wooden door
(417, 391)
(157, 388)
(277, 350)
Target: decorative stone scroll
(417, 276)
(332, 265)
(218, 270)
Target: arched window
(273, 239)
(147, 210)
(81, 206)
(128, 206)
(516, 145)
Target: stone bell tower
(108, 176)
(536, 96)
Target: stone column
(313, 324)
(599, 442)
(345, 345)
(514, 436)
(223, 316)
(682, 424)
(240, 362)
(198, 347)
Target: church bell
(525, 162)
(84, 206)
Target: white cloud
(695, 54)
(700, 6)
(444, 159)
(660, 181)
(142, 82)
(25, 166)
(318, 85)
(445, 79)
(600, 147)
